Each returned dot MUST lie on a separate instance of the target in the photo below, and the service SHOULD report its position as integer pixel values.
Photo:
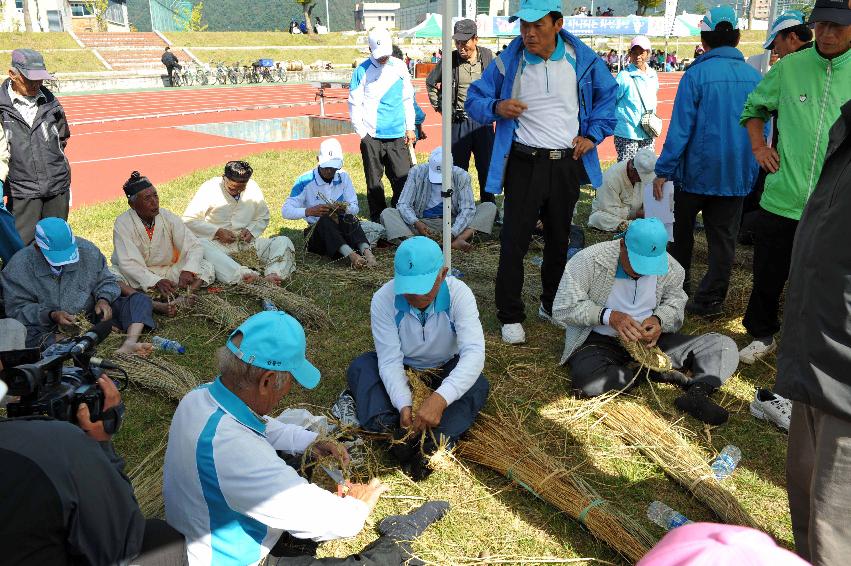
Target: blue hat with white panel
(786, 20)
(718, 14)
(416, 265)
(534, 10)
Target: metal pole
(772, 15)
(620, 48)
(446, 122)
(327, 17)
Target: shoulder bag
(650, 122)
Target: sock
(363, 247)
(409, 527)
(696, 402)
(345, 250)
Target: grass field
(37, 40)
(76, 61)
(336, 56)
(489, 513)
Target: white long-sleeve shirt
(451, 327)
(616, 201)
(213, 207)
(227, 491)
(381, 99)
(307, 188)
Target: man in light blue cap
(421, 320)
(630, 290)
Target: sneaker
(344, 410)
(548, 317)
(771, 407)
(706, 310)
(756, 350)
(513, 333)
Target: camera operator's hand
(111, 399)
(62, 318)
(103, 309)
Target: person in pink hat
(638, 86)
(712, 544)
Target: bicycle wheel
(232, 77)
(188, 79)
(240, 77)
(176, 80)
(283, 77)
(221, 77)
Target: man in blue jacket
(707, 154)
(553, 101)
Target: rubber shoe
(513, 333)
(344, 410)
(706, 310)
(771, 407)
(756, 350)
(545, 316)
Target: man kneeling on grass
(153, 249)
(230, 494)
(424, 321)
(229, 213)
(629, 290)
(326, 198)
(58, 276)
(420, 207)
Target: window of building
(80, 9)
(19, 5)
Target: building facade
(62, 15)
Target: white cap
(645, 163)
(331, 154)
(380, 43)
(435, 166)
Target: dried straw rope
(650, 357)
(147, 480)
(501, 443)
(216, 308)
(659, 441)
(302, 308)
(158, 374)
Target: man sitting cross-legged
(153, 249)
(420, 206)
(630, 289)
(229, 212)
(59, 276)
(425, 321)
(326, 198)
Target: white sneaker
(544, 315)
(771, 407)
(756, 350)
(513, 333)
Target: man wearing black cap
(39, 180)
(468, 136)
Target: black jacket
(483, 54)
(169, 59)
(64, 498)
(813, 362)
(38, 167)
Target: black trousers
(378, 155)
(751, 208)
(772, 256)
(472, 138)
(170, 69)
(535, 188)
(721, 217)
(329, 236)
(29, 211)
(384, 551)
(600, 364)
(162, 546)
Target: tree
(700, 8)
(98, 9)
(194, 21)
(28, 23)
(644, 5)
(307, 7)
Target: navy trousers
(377, 414)
(472, 138)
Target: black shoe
(696, 402)
(405, 452)
(707, 310)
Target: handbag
(650, 122)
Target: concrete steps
(121, 40)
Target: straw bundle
(650, 357)
(500, 442)
(219, 310)
(158, 374)
(246, 255)
(147, 480)
(656, 438)
(302, 308)
(81, 325)
(420, 390)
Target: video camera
(46, 386)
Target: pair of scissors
(337, 476)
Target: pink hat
(642, 42)
(712, 544)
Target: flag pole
(446, 132)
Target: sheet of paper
(662, 209)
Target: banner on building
(670, 16)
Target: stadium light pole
(446, 124)
(772, 15)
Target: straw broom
(147, 481)
(656, 438)
(219, 310)
(158, 374)
(302, 308)
(501, 443)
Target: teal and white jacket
(381, 99)
(309, 189)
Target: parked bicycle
(221, 72)
(235, 74)
(280, 72)
(186, 76)
(202, 75)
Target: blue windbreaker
(706, 149)
(597, 90)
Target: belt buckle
(555, 154)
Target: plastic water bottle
(666, 517)
(537, 260)
(167, 345)
(457, 273)
(268, 305)
(724, 464)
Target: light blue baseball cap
(416, 265)
(534, 10)
(718, 14)
(788, 19)
(275, 341)
(646, 245)
(57, 242)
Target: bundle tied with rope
(656, 438)
(501, 443)
(158, 374)
(651, 358)
(147, 481)
(219, 310)
(302, 308)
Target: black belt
(541, 153)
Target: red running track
(114, 134)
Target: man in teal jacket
(553, 101)
(707, 155)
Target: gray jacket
(31, 291)
(38, 167)
(587, 283)
(414, 198)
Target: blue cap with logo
(417, 263)
(646, 245)
(788, 19)
(57, 242)
(275, 341)
(718, 14)
(534, 10)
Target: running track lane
(114, 134)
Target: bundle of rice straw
(216, 308)
(300, 307)
(650, 357)
(660, 442)
(246, 254)
(502, 444)
(420, 391)
(147, 480)
(158, 374)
